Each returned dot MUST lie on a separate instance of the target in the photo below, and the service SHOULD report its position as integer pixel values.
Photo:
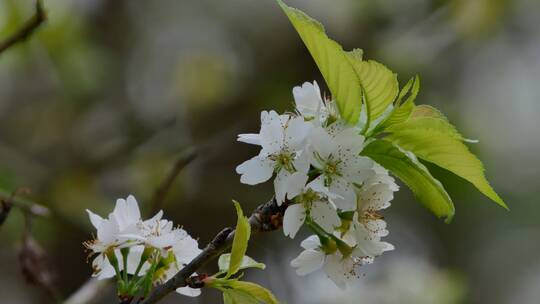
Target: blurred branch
(33, 258)
(27, 28)
(89, 292)
(158, 200)
(267, 217)
(10, 200)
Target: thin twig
(34, 260)
(267, 217)
(13, 199)
(158, 200)
(27, 29)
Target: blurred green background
(99, 103)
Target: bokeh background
(103, 99)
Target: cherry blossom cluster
(140, 253)
(314, 157)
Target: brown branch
(13, 200)
(27, 29)
(267, 217)
(158, 200)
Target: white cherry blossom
(309, 102)
(312, 200)
(335, 155)
(282, 138)
(342, 270)
(125, 228)
(375, 195)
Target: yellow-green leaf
(402, 111)
(437, 141)
(379, 85)
(232, 296)
(260, 293)
(225, 260)
(333, 62)
(240, 241)
(414, 174)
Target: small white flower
(125, 228)
(309, 102)
(127, 213)
(313, 200)
(341, 270)
(282, 139)
(185, 250)
(335, 155)
(375, 195)
(368, 246)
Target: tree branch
(89, 292)
(158, 200)
(10, 200)
(27, 28)
(266, 217)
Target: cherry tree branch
(27, 29)
(266, 217)
(10, 200)
(89, 292)
(158, 200)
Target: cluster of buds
(316, 159)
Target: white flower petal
(324, 214)
(356, 169)
(317, 185)
(322, 144)
(188, 291)
(377, 228)
(295, 184)
(95, 219)
(102, 268)
(255, 170)
(375, 197)
(347, 196)
(367, 245)
(312, 242)
(250, 138)
(308, 261)
(126, 212)
(294, 217)
(133, 209)
(296, 133)
(156, 218)
(108, 231)
(272, 132)
(350, 140)
(335, 270)
(281, 185)
(186, 249)
(308, 99)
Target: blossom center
(284, 160)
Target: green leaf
(379, 85)
(414, 174)
(333, 62)
(260, 293)
(247, 262)
(401, 112)
(428, 111)
(232, 296)
(420, 123)
(437, 141)
(240, 242)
